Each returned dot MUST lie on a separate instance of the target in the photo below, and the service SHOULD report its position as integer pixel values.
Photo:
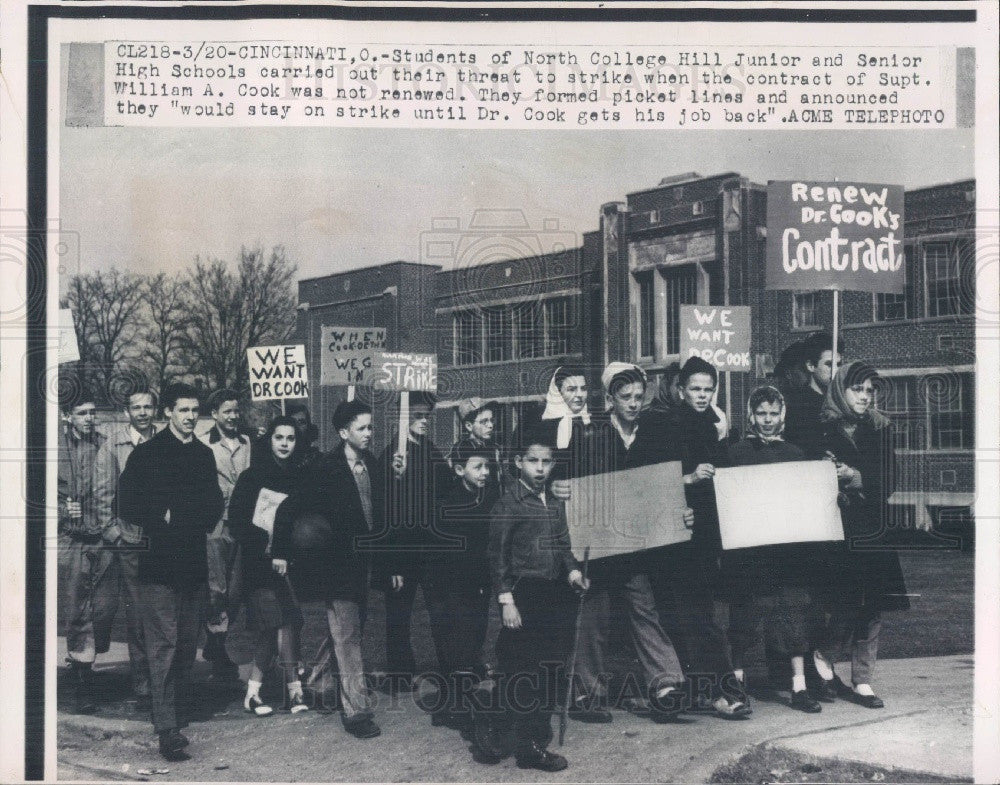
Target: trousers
(659, 662)
(344, 619)
(853, 627)
(171, 619)
(89, 573)
(128, 561)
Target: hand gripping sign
(277, 372)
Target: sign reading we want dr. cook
(840, 235)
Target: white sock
(253, 688)
(294, 688)
(864, 689)
(798, 683)
(822, 666)
(664, 691)
(738, 672)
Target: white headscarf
(556, 408)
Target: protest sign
(718, 334)
(404, 371)
(347, 354)
(778, 503)
(277, 372)
(69, 346)
(839, 235)
(627, 511)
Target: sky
(338, 199)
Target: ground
(923, 734)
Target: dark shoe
(868, 701)
(586, 709)
(363, 729)
(824, 690)
(536, 757)
(803, 701)
(82, 677)
(297, 704)
(732, 709)
(172, 744)
(841, 689)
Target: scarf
(556, 408)
(836, 410)
(753, 431)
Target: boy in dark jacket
(533, 569)
(345, 489)
(169, 490)
(457, 581)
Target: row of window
(935, 412)
(513, 331)
(943, 296)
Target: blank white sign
(778, 503)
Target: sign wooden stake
(836, 329)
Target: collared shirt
(232, 458)
(540, 494)
(135, 437)
(627, 438)
(364, 482)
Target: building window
(647, 314)
(499, 336)
(804, 309)
(559, 323)
(681, 289)
(894, 307)
(930, 412)
(527, 330)
(950, 411)
(943, 285)
(468, 337)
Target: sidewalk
(926, 727)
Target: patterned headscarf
(765, 392)
(836, 409)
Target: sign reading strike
(277, 372)
(348, 354)
(717, 334)
(835, 236)
(404, 371)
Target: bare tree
(167, 318)
(231, 311)
(106, 309)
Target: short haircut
(219, 397)
(625, 378)
(174, 392)
(528, 438)
(348, 411)
(566, 371)
(144, 391)
(792, 356)
(696, 365)
(764, 394)
(817, 343)
(74, 391)
(464, 452)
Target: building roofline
(353, 270)
(940, 185)
(719, 176)
(577, 249)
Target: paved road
(927, 726)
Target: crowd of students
(272, 523)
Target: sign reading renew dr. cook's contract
(717, 334)
(839, 235)
(277, 372)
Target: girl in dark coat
(272, 608)
(868, 578)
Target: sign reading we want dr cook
(839, 235)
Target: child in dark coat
(533, 571)
(771, 582)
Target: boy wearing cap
(479, 419)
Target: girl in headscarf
(769, 590)
(867, 577)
